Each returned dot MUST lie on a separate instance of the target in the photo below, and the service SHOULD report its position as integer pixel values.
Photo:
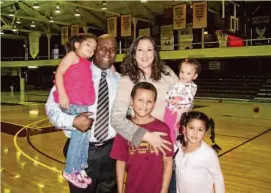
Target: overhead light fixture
(144, 1)
(51, 20)
(18, 21)
(205, 32)
(77, 13)
(14, 29)
(33, 24)
(2, 32)
(11, 12)
(104, 6)
(57, 10)
(36, 5)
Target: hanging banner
(126, 25)
(85, 29)
(34, 38)
(167, 38)
(185, 37)
(179, 16)
(199, 14)
(74, 30)
(64, 35)
(144, 32)
(112, 26)
(261, 27)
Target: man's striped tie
(102, 115)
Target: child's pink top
(78, 83)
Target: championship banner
(144, 32)
(185, 37)
(179, 16)
(64, 35)
(112, 26)
(167, 38)
(200, 15)
(34, 38)
(74, 30)
(261, 27)
(126, 25)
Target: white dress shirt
(64, 121)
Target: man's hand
(157, 142)
(83, 122)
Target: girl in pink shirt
(75, 92)
(197, 164)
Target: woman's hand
(157, 142)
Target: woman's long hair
(130, 68)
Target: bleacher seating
(240, 87)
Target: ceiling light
(144, 1)
(11, 12)
(36, 6)
(18, 21)
(2, 32)
(14, 29)
(57, 9)
(205, 33)
(77, 13)
(104, 7)
(33, 24)
(51, 20)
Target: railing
(197, 45)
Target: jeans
(77, 154)
(102, 170)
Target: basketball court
(32, 158)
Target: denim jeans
(77, 154)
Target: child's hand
(64, 101)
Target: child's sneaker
(85, 177)
(76, 179)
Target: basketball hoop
(222, 38)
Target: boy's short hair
(146, 86)
(192, 62)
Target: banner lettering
(74, 30)
(112, 26)
(185, 37)
(179, 17)
(199, 14)
(167, 38)
(64, 35)
(126, 25)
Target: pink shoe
(85, 177)
(76, 179)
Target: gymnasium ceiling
(91, 14)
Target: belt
(101, 144)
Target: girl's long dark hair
(130, 68)
(209, 123)
(78, 38)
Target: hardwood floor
(33, 162)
